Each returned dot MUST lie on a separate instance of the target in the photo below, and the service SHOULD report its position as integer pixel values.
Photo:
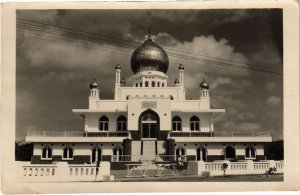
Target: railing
(236, 168)
(222, 134)
(62, 172)
(76, 134)
(141, 158)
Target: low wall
(61, 171)
(234, 168)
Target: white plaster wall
(162, 109)
(92, 121)
(78, 148)
(176, 92)
(205, 125)
(217, 148)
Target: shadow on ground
(182, 176)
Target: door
(149, 125)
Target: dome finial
(123, 81)
(181, 67)
(204, 84)
(118, 67)
(149, 34)
(94, 84)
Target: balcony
(75, 136)
(222, 136)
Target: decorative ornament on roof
(94, 84)
(149, 56)
(118, 67)
(204, 84)
(181, 67)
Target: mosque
(147, 120)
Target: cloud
(220, 81)
(274, 101)
(271, 85)
(55, 74)
(242, 126)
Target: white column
(118, 77)
(181, 77)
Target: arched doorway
(149, 125)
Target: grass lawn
(183, 177)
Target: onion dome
(149, 56)
(94, 84)
(176, 81)
(181, 67)
(118, 67)
(204, 84)
(123, 82)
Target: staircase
(149, 149)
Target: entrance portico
(149, 125)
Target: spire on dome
(149, 34)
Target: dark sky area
(239, 52)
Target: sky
(239, 52)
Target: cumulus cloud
(242, 126)
(55, 74)
(220, 81)
(274, 101)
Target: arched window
(103, 123)
(171, 97)
(47, 152)
(121, 123)
(229, 153)
(118, 152)
(153, 84)
(194, 123)
(96, 155)
(180, 152)
(162, 84)
(136, 85)
(176, 123)
(250, 153)
(158, 84)
(201, 154)
(68, 153)
(146, 84)
(141, 84)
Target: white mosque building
(149, 119)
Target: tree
(275, 150)
(224, 168)
(23, 152)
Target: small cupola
(204, 85)
(123, 82)
(118, 67)
(94, 84)
(181, 67)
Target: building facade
(148, 120)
